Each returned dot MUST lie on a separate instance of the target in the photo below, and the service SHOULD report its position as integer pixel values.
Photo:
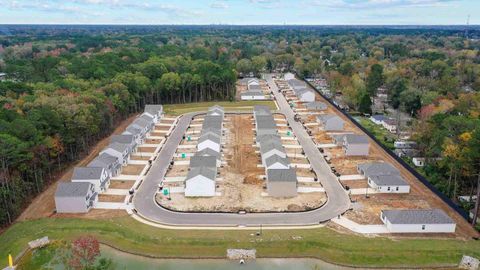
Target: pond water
(124, 260)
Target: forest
(67, 87)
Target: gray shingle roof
(216, 107)
(140, 123)
(255, 88)
(212, 121)
(377, 168)
(154, 109)
(86, 173)
(265, 138)
(208, 152)
(276, 158)
(328, 117)
(265, 122)
(261, 108)
(104, 160)
(208, 172)
(282, 175)
(296, 83)
(125, 139)
(147, 118)
(119, 147)
(133, 130)
(209, 137)
(316, 105)
(266, 147)
(77, 189)
(417, 216)
(356, 139)
(203, 161)
(388, 180)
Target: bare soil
(132, 169)
(120, 184)
(241, 187)
(111, 198)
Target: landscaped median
(127, 234)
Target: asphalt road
(337, 203)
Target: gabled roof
(265, 138)
(282, 175)
(73, 189)
(140, 123)
(388, 180)
(266, 147)
(316, 105)
(277, 159)
(216, 107)
(378, 168)
(209, 137)
(154, 109)
(207, 172)
(203, 161)
(328, 117)
(356, 139)
(254, 88)
(147, 118)
(208, 152)
(265, 122)
(133, 130)
(295, 83)
(126, 139)
(212, 121)
(119, 147)
(417, 216)
(104, 160)
(87, 173)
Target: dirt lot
(241, 188)
(44, 205)
(120, 184)
(111, 198)
(132, 169)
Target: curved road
(337, 203)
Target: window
(388, 188)
(396, 189)
(423, 227)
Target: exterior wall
(208, 144)
(281, 189)
(71, 205)
(253, 97)
(418, 228)
(333, 125)
(389, 189)
(199, 186)
(357, 149)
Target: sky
(240, 12)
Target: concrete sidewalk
(359, 228)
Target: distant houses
(254, 91)
(383, 177)
(417, 221)
(389, 124)
(81, 193)
(201, 177)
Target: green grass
(126, 233)
(383, 135)
(177, 109)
